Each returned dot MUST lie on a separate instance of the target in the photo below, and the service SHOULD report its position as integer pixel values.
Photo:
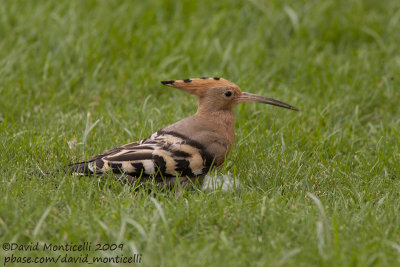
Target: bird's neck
(224, 121)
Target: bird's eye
(228, 93)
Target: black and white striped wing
(163, 154)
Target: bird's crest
(193, 85)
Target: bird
(186, 150)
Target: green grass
(317, 187)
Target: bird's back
(189, 148)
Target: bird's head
(216, 94)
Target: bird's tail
(80, 168)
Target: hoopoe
(186, 149)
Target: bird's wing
(115, 150)
(162, 154)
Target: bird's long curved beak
(247, 97)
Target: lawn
(319, 187)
